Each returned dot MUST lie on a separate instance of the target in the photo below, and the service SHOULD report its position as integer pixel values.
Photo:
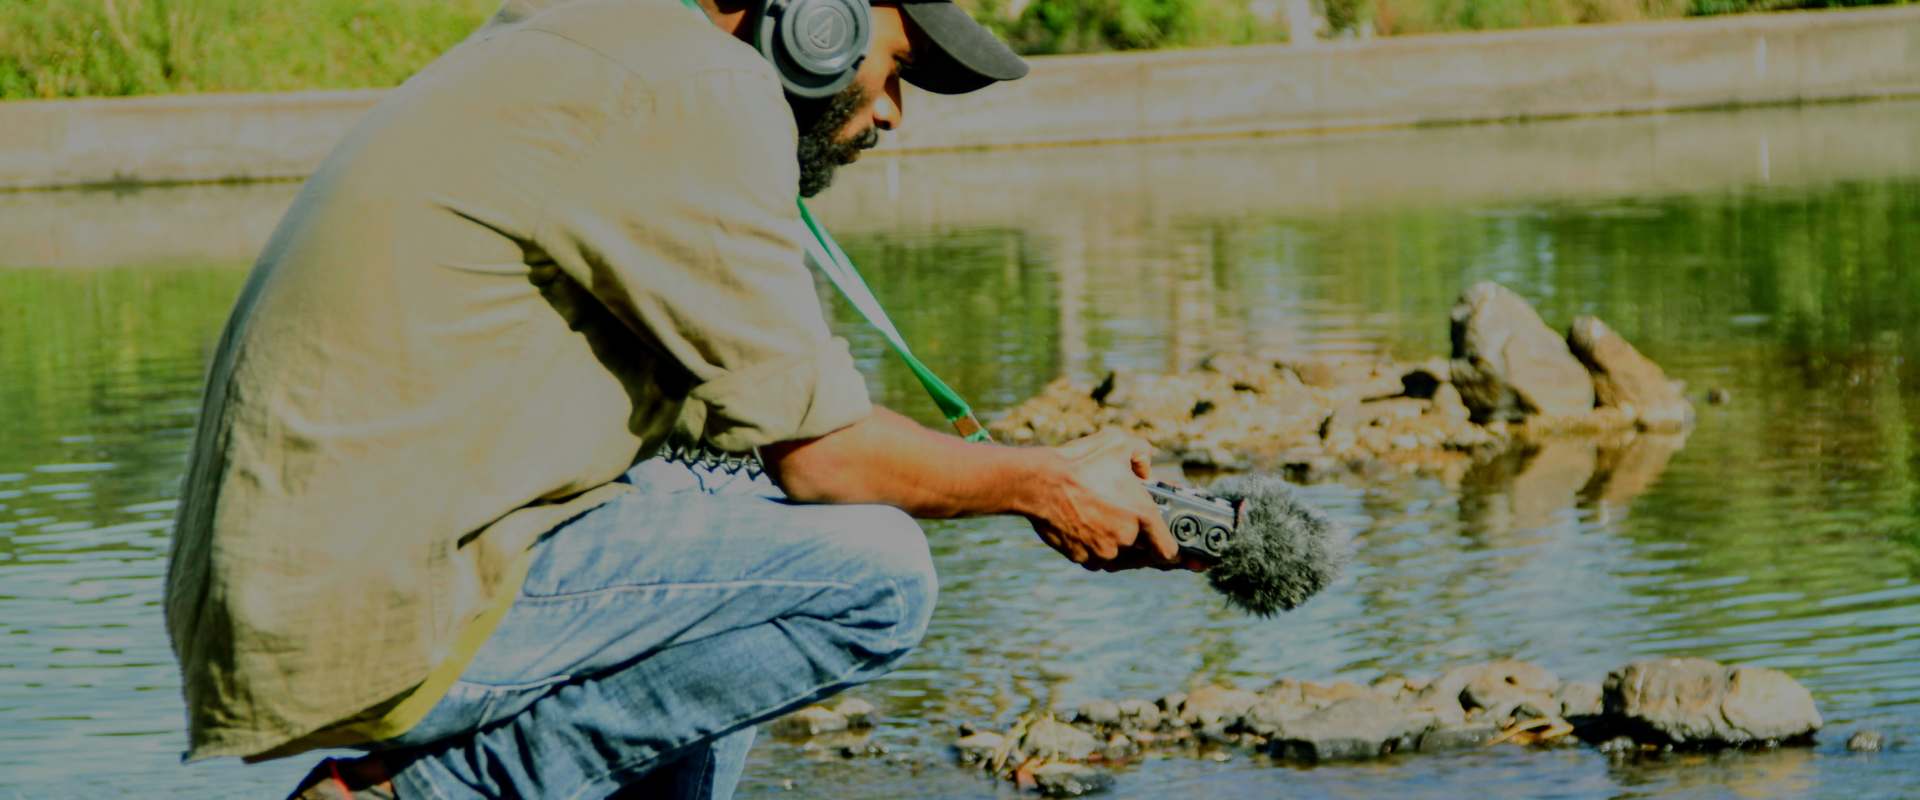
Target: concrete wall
(1773, 58)
(1132, 186)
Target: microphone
(1265, 550)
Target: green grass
(84, 48)
(76, 48)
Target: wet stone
(1866, 742)
(1070, 780)
(1266, 716)
(1627, 380)
(858, 713)
(1357, 728)
(1212, 705)
(1578, 699)
(1099, 712)
(978, 747)
(1140, 713)
(1508, 364)
(809, 721)
(1509, 683)
(1463, 737)
(1619, 745)
(1696, 702)
(1049, 738)
(1323, 695)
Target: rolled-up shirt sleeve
(680, 218)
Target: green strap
(838, 268)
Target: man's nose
(886, 110)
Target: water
(1768, 253)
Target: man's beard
(820, 122)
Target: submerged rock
(979, 747)
(1866, 742)
(1098, 712)
(1050, 738)
(1511, 385)
(1355, 728)
(1646, 706)
(1627, 380)
(857, 712)
(1579, 699)
(1212, 705)
(1507, 683)
(1699, 703)
(1461, 737)
(1508, 365)
(1070, 780)
(809, 721)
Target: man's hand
(1097, 514)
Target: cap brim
(965, 55)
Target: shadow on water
(1784, 530)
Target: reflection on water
(1784, 531)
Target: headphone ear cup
(816, 45)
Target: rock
(1508, 681)
(1323, 695)
(858, 713)
(1627, 380)
(1049, 738)
(1388, 686)
(1699, 703)
(1460, 737)
(1448, 405)
(1347, 421)
(809, 721)
(1070, 780)
(1266, 716)
(1767, 704)
(1099, 712)
(1866, 742)
(1618, 745)
(1118, 746)
(1210, 705)
(1140, 713)
(1508, 365)
(1578, 699)
(1357, 728)
(978, 747)
(1438, 713)
(1718, 396)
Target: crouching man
(423, 516)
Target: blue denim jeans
(653, 632)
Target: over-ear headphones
(816, 45)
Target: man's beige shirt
(507, 283)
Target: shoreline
(1781, 58)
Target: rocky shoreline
(1642, 709)
(1510, 384)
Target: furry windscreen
(1283, 551)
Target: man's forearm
(891, 460)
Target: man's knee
(893, 551)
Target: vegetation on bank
(81, 48)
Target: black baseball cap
(965, 55)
